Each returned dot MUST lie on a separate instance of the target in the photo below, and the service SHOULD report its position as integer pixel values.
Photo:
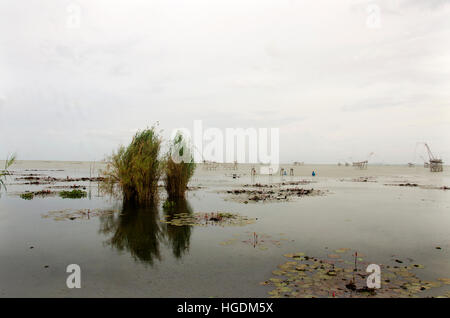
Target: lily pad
(316, 277)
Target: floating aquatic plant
(74, 194)
(30, 195)
(27, 195)
(306, 276)
(269, 194)
(84, 214)
(205, 219)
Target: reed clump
(3, 173)
(179, 167)
(135, 170)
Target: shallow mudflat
(215, 245)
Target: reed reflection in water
(178, 237)
(137, 230)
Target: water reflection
(178, 236)
(138, 231)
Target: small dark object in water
(398, 261)
(438, 248)
(331, 273)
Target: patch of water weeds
(274, 185)
(37, 179)
(268, 194)
(207, 219)
(74, 194)
(29, 195)
(359, 179)
(416, 185)
(85, 214)
(74, 186)
(344, 276)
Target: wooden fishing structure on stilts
(361, 164)
(436, 164)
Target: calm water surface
(133, 254)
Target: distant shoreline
(18, 162)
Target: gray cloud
(335, 87)
(431, 4)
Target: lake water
(132, 254)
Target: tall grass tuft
(3, 173)
(179, 167)
(135, 169)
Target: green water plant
(27, 195)
(134, 171)
(345, 276)
(179, 167)
(74, 194)
(3, 173)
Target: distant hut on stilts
(436, 164)
(361, 164)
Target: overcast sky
(340, 79)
